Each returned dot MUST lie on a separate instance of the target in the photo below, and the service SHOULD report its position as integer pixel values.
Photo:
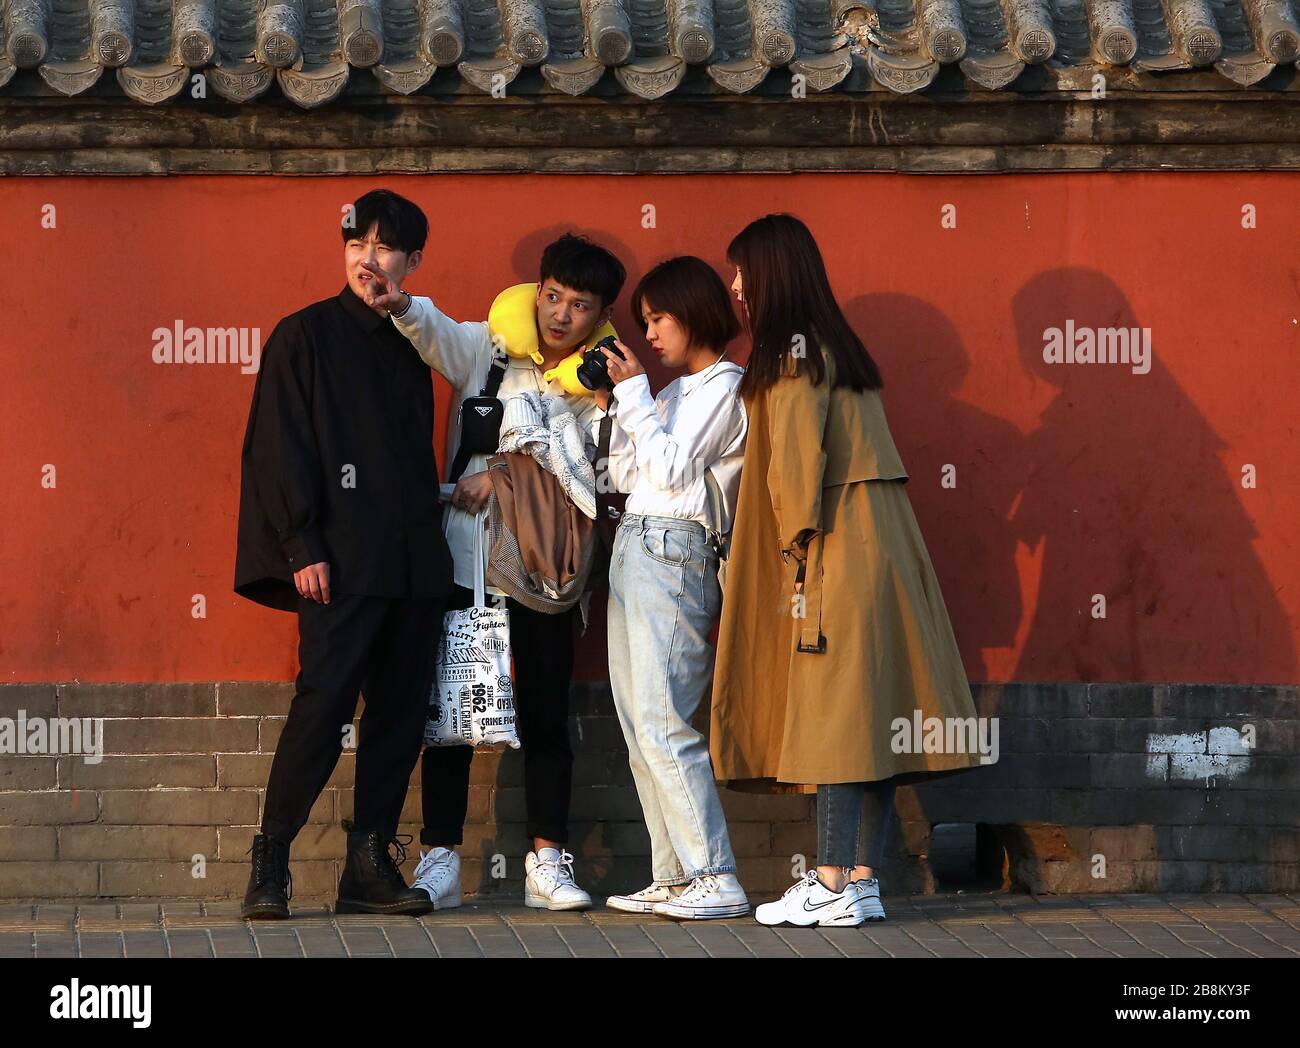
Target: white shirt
(660, 448)
(462, 354)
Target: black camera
(593, 372)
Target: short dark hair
(576, 262)
(690, 291)
(401, 223)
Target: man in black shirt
(339, 521)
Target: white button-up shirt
(660, 447)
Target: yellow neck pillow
(512, 321)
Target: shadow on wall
(1119, 491)
(924, 364)
(1132, 500)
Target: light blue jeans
(663, 601)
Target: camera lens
(593, 372)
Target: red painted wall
(1072, 480)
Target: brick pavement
(950, 925)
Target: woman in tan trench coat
(833, 627)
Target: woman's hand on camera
(628, 367)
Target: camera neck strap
(610, 504)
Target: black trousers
(541, 647)
(384, 647)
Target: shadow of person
(1134, 500)
(1136, 511)
(966, 470)
(941, 437)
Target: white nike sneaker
(550, 884)
(438, 874)
(644, 900)
(709, 896)
(808, 901)
(868, 890)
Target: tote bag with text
(472, 701)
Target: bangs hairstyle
(786, 294)
(401, 223)
(690, 291)
(576, 262)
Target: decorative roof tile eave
(446, 86)
(314, 52)
(1194, 121)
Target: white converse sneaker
(709, 896)
(644, 900)
(550, 884)
(808, 901)
(438, 874)
(868, 890)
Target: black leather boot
(372, 882)
(269, 885)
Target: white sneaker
(550, 884)
(644, 900)
(709, 896)
(438, 874)
(868, 890)
(808, 901)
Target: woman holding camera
(834, 628)
(678, 456)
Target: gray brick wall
(1100, 788)
(1137, 787)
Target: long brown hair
(787, 294)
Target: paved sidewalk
(921, 926)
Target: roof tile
(314, 47)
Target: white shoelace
(646, 894)
(428, 865)
(700, 887)
(559, 870)
(809, 878)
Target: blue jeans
(663, 601)
(853, 821)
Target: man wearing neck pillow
(541, 329)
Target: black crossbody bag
(480, 422)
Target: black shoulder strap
(609, 504)
(459, 463)
(603, 431)
(496, 373)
